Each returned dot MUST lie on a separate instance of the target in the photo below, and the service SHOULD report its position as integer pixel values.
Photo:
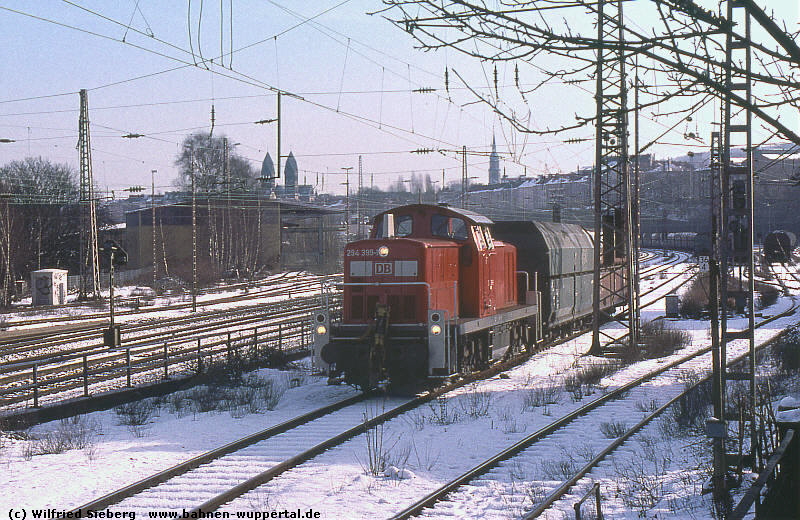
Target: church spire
(494, 164)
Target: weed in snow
(613, 429)
(76, 432)
(442, 413)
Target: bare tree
(679, 42)
(205, 154)
(38, 209)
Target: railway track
(73, 326)
(49, 345)
(240, 466)
(234, 474)
(62, 366)
(299, 477)
(664, 386)
(252, 291)
(562, 495)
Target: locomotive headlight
(436, 330)
(321, 330)
(383, 251)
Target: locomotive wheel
(467, 364)
(483, 360)
(475, 353)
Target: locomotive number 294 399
(362, 252)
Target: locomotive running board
(468, 326)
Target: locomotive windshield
(403, 226)
(448, 227)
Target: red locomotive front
(409, 276)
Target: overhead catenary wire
(379, 122)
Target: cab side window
(478, 234)
(448, 227)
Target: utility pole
(153, 223)
(227, 252)
(194, 232)
(278, 164)
(635, 234)
(735, 277)
(716, 427)
(347, 203)
(278, 173)
(464, 178)
(89, 266)
(358, 197)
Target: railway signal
(112, 337)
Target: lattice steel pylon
(614, 245)
(89, 266)
(736, 274)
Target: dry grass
(767, 294)
(660, 340)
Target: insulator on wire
(447, 81)
(211, 133)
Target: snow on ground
(119, 455)
(294, 280)
(205, 301)
(427, 447)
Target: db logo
(383, 268)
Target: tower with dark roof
(494, 165)
(290, 175)
(267, 173)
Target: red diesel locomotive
(429, 294)
(433, 293)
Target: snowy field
(421, 449)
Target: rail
(481, 469)
(190, 354)
(273, 336)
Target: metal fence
(586, 509)
(105, 369)
(779, 481)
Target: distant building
(255, 235)
(290, 175)
(226, 237)
(268, 173)
(494, 165)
